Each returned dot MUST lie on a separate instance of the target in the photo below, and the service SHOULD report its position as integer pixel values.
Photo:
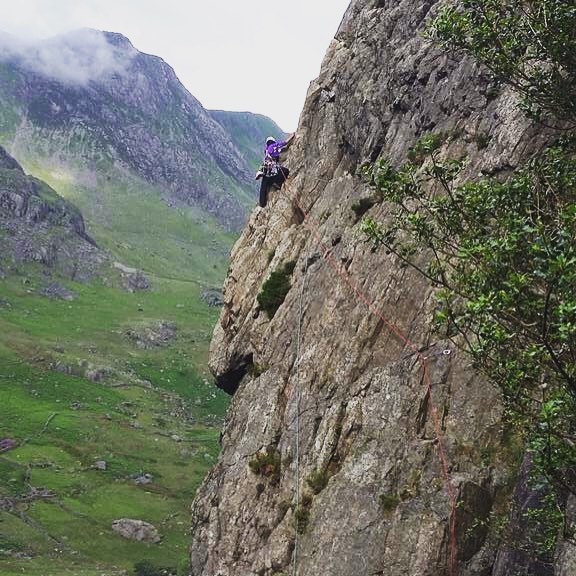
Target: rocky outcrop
(39, 226)
(136, 530)
(157, 335)
(327, 398)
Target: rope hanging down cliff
(360, 296)
(297, 414)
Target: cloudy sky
(253, 55)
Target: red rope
(362, 297)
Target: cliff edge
(327, 398)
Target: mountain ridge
(125, 107)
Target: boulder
(137, 530)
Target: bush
(387, 503)
(318, 480)
(503, 255)
(275, 289)
(267, 464)
(527, 45)
(362, 206)
(302, 513)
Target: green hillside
(107, 375)
(248, 131)
(90, 372)
(103, 374)
(154, 412)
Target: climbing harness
(270, 167)
(360, 296)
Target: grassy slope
(120, 421)
(129, 426)
(130, 219)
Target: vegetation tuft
(302, 513)
(275, 289)
(267, 464)
(362, 206)
(318, 480)
(387, 503)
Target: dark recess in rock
(230, 381)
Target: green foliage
(267, 464)
(128, 425)
(504, 257)
(257, 370)
(318, 480)
(387, 503)
(275, 289)
(362, 206)
(429, 143)
(184, 568)
(544, 523)
(302, 513)
(528, 45)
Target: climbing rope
(297, 394)
(423, 361)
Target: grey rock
(212, 297)
(137, 530)
(56, 291)
(100, 465)
(143, 479)
(135, 282)
(366, 420)
(156, 335)
(97, 374)
(40, 226)
(7, 444)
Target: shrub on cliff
(528, 45)
(503, 257)
(275, 289)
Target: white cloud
(73, 58)
(251, 55)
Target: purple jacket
(273, 150)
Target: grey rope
(297, 417)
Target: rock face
(119, 105)
(326, 396)
(37, 225)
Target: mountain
(341, 454)
(91, 99)
(162, 185)
(248, 132)
(39, 226)
(120, 198)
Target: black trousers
(269, 181)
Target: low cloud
(74, 58)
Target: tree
(528, 44)
(503, 257)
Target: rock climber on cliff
(272, 172)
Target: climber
(271, 171)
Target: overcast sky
(252, 55)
